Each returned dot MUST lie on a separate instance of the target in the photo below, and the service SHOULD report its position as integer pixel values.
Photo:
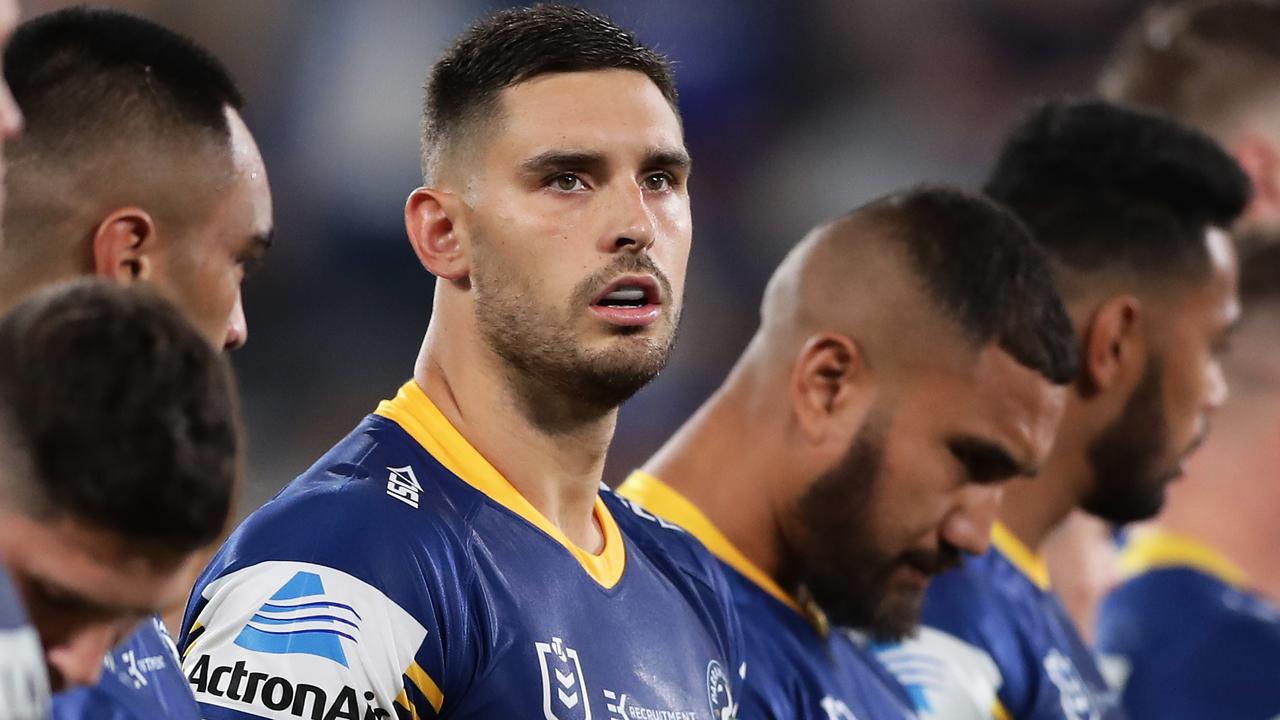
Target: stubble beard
(1129, 484)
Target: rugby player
(118, 461)
(24, 686)
(136, 167)
(456, 554)
(1196, 620)
(1131, 208)
(909, 361)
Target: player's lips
(629, 301)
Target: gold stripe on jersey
(1150, 548)
(1022, 557)
(414, 412)
(998, 712)
(662, 500)
(425, 685)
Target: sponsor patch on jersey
(260, 653)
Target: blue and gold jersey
(404, 576)
(1186, 639)
(997, 644)
(24, 685)
(799, 669)
(141, 679)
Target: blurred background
(794, 112)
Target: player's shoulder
(376, 488)
(141, 678)
(663, 542)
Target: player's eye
(658, 182)
(567, 182)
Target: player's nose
(632, 220)
(968, 526)
(237, 327)
(77, 660)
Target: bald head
(918, 273)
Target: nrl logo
(564, 688)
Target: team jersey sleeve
(949, 666)
(24, 686)
(324, 611)
(1196, 659)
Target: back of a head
(1111, 190)
(981, 267)
(117, 414)
(1208, 62)
(973, 263)
(113, 103)
(516, 45)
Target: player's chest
(1065, 683)
(816, 682)
(561, 648)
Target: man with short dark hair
(1198, 605)
(908, 363)
(136, 166)
(119, 457)
(1132, 209)
(456, 555)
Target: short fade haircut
(77, 74)
(981, 267)
(1201, 60)
(1107, 189)
(118, 414)
(512, 46)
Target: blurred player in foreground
(1131, 209)
(24, 686)
(118, 461)
(908, 362)
(456, 555)
(1195, 628)
(137, 167)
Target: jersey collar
(414, 412)
(664, 501)
(1151, 549)
(1023, 558)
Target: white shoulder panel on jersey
(24, 688)
(280, 639)
(958, 680)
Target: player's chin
(898, 614)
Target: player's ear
(430, 218)
(122, 245)
(1113, 347)
(831, 388)
(1260, 159)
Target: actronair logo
(238, 683)
(297, 620)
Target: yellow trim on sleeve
(1023, 558)
(664, 501)
(428, 687)
(1150, 549)
(195, 628)
(998, 711)
(414, 412)
(403, 701)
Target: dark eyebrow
(668, 159)
(553, 161)
(987, 461)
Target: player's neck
(719, 460)
(1229, 479)
(1033, 509)
(557, 470)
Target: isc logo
(403, 486)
